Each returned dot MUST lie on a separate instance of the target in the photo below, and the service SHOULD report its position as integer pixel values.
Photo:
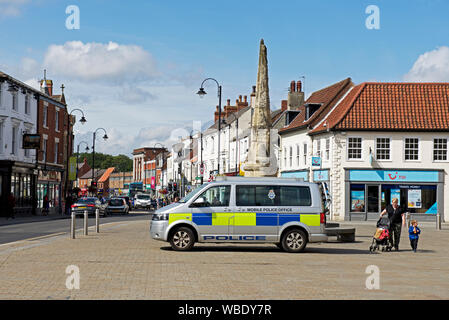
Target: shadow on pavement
(271, 249)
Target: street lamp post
(83, 121)
(77, 156)
(202, 93)
(105, 137)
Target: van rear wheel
(182, 239)
(294, 241)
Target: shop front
(50, 185)
(301, 174)
(368, 192)
(18, 179)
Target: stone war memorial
(261, 160)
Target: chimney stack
(284, 105)
(295, 96)
(253, 97)
(292, 86)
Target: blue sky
(182, 42)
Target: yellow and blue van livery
(287, 212)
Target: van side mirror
(199, 202)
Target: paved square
(123, 262)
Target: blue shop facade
(367, 192)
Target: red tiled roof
(327, 97)
(106, 174)
(391, 106)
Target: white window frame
(348, 158)
(14, 140)
(298, 152)
(45, 115)
(291, 157)
(44, 149)
(419, 150)
(56, 150)
(318, 148)
(27, 104)
(304, 148)
(2, 126)
(433, 149)
(57, 120)
(327, 149)
(389, 149)
(15, 101)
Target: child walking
(414, 232)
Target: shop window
(411, 149)
(357, 198)
(354, 148)
(414, 199)
(383, 149)
(440, 149)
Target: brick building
(55, 128)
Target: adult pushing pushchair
(381, 239)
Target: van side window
(217, 196)
(295, 196)
(261, 196)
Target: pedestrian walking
(397, 220)
(11, 205)
(46, 203)
(414, 233)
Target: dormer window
(311, 108)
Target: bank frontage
(368, 192)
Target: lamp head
(83, 120)
(201, 93)
(105, 137)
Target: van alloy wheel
(182, 239)
(294, 241)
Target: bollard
(85, 222)
(72, 226)
(438, 221)
(97, 220)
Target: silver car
(286, 212)
(117, 205)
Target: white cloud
(432, 66)
(11, 8)
(97, 61)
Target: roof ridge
(351, 104)
(332, 85)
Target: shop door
(373, 201)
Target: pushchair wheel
(383, 249)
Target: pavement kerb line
(107, 225)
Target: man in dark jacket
(397, 219)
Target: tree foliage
(122, 163)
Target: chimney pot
(254, 90)
(292, 86)
(229, 102)
(240, 98)
(284, 105)
(245, 99)
(299, 86)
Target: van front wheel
(182, 239)
(294, 240)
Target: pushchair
(381, 238)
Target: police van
(286, 212)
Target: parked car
(91, 204)
(142, 201)
(117, 205)
(127, 199)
